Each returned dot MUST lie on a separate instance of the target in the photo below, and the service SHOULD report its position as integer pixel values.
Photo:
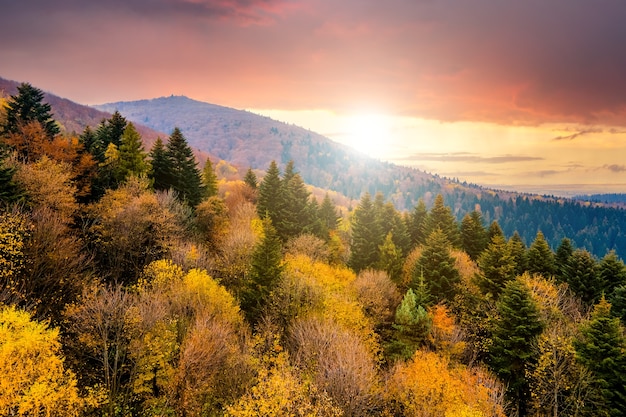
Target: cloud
(473, 158)
(615, 168)
(578, 134)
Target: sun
(368, 133)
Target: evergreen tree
(612, 272)
(92, 144)
(25, 107)
(115, 129)
(160, 166)
(581, 276)
(512, 353)
(497, 267)
(328, 213)
(250, 179)
(131, 153)
(391, 260)
(266, 269)
(9, 190)
(366, 236)
(540, 257)
(423, 296)
(494, 230)
(602, 349)
(295, 216)
(473, 234)
(412, 324)
(209, 179)
(417, 224)
(561, 259)
(270, 199)
(518, 252)
(438, 267)
(441, 217)
(184, 178)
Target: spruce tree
(160, 166)
(209, 179)
(266, 269)
(269, 201)
(497, 267)
(540, 257)
(412, 324)
(602, 349)
(612, 272)
(561, 259)
(512, 354)
(473, 234)
(582, 277)
(439, 267)
(28, 106)
(494, 230)
(518, 252)
(184, 176)
(417, 224)
(328, 213)
(397, 228)
(132, 155)
(250, 179)
(391, 259)
(295, 215)
(441, 217)
(366, 236)
(9, 190)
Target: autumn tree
(34, 380)
(209, 179)
(28, 106)
(515, 330)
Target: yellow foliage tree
(33, 380)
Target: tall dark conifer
(269, 200)
(518, 252)
(417, 224)
(473, 234)
(160, 166)
(185, 178)
(438, 267)
(28, 106)
(441, 217)
(540, 257)
(366, 236)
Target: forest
(140, 282)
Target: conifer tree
(328, 213)
(92, 144)
(417, 224)
(266, 269)
(184, 176)
(561, 259)
(209, 179)
(391, 259)
(295, 216)
(518, 252)
(132, 155)
(494, 230)
(28, 106)
(540, 257)
(9, 190)
(473, 234)
(397, 228)
(250, 179)
(268, 204)
(160, 167)
(612, 272)
(438, 267)
(602, 349)
(581, 276)
(512, 353)
(441, 217)
(366, 236)
(412, 324)
(497, 267)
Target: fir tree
(612, 272)
(540, 257)
(473, 234)
(366, 236)
(328, 213)
(250, 179)
(441, 217)
(268, 204)
(497, 267)
(295, 215)
(209, 179)
(518, 252)
(602, 350)
(184, 176)
(266, 269)
(132, 155)
(512, 354)
(9, 190)
(581, 276)
(391, 260)
(416, 224)
(160, 167)
(438, 266)
(412, 324)
(561, 259)
(494, 230)
(28, 106)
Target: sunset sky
(527, 93)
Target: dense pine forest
(140, 282)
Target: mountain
(245, 139)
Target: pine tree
(209, 179)
(417, 224)
(518, 252)
(295, 215)
(28, 106)
(266, 269)
(250, 179)
(366, 236)
(473, 234)
(438, 267)
(494, 230)
(132, 155)
(160, 166)
(512, 354)
(441, 217)
(497, 267)
(412, 324)
(115, 128)
(185, 178)
(602, 349)
(540, 257)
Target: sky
(526, 94)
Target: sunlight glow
(368, 133)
